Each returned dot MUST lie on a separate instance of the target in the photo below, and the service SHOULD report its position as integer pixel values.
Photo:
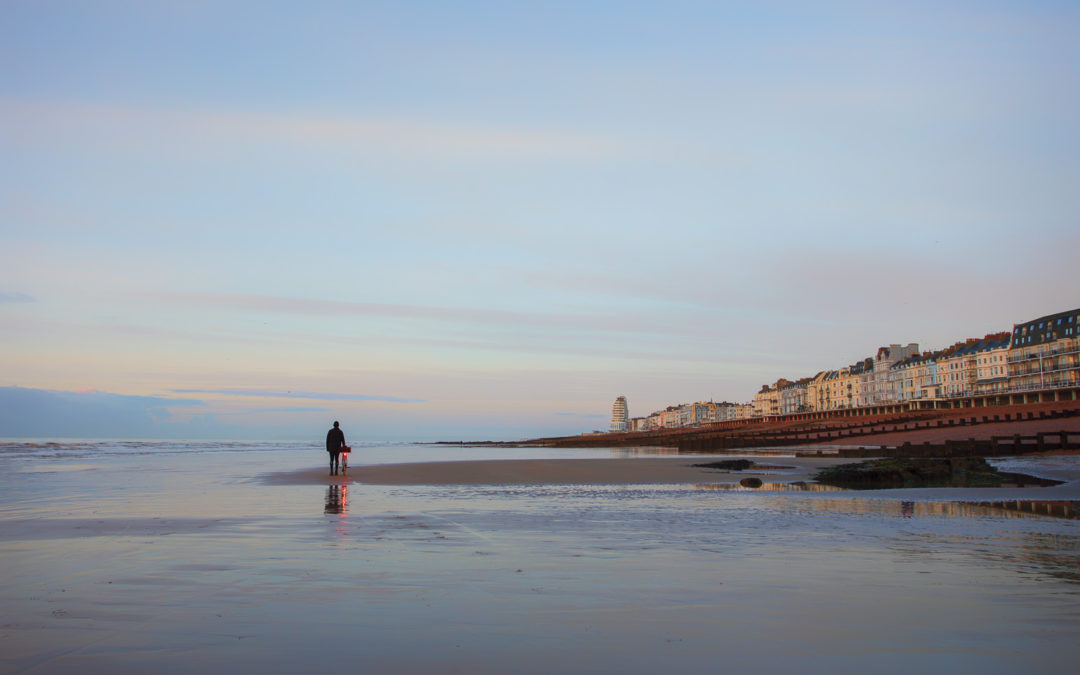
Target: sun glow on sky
(489, 220)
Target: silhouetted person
(335, 438)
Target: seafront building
(1039, 355)
(794, 397)
(863, 382)
(847, 382)
(927, 384)
(1045, 353)
(992, 365)
(766, 402)
(619, 414)
(733, 411)
(883, 390)
(690, 415)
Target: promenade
(879, 430)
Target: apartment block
(883, 362)
(619, 414)
(1044, 353)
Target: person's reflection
(336, 499)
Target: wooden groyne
(996, 446)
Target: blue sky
(481, 220)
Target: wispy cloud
(322, 396)
(118, 399)
(617, 323)
(395, 134)
(16, 297)
(290, 410)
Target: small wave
(85, 449)
(68, 449)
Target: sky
(486, 220)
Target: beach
(213, 557)
(622, 471)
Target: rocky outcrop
(728, 465)
(923, 472)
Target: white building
(883, 391)
(619, 414)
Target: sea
(135, 556)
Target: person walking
(335, 440)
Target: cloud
(615, 323)
(195, 127)
(284, 410)
(16, 297)
(26, 412)
(122, 400)
(573, 414)
(39, 413)
(266, 393)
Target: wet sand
(777, 473)
(206, 561)
(643, 471)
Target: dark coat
(335, 438)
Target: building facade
(619, 414)
(1045, 353)
(794, 397)
(883, 387)
(992, 364)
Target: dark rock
(750, 482)
(922, 472)
(728, 464)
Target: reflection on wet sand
(337, 498)
(746, 485)
(907, 509)
(634, 451)
(1054, 509)
(787, 451)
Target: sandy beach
(776, 473)
(650, 470)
